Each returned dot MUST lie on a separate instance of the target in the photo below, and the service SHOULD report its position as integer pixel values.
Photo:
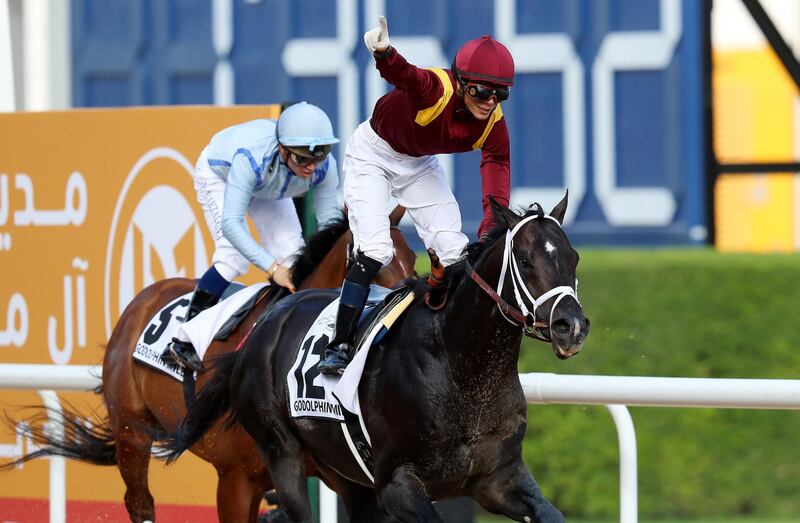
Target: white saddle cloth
(200, 331)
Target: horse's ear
(503, 214)
(396, 215)
(560, 209)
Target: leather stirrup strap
(188, 388)
(436, 277)
(436, 298)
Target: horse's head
(539, 275)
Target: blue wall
(607, 100)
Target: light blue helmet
(306, 125)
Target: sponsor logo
(304, 407)
(155, 233)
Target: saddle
(236, 318)
(314, 395)
(164, 324)
(380, 302)
(335, 398)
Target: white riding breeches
(373, 172)
(276, 221)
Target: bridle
(522, 315)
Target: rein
(502, 304)
(520, 315)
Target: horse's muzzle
(568, 332)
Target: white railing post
(628, 475)
(44, 378)
(615, 392)
(328, 504)
(7, 96)
(58, 464)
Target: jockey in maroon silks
(429, 112)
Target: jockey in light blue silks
(256, 168)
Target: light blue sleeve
(326, 196)
(242, 180)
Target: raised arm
(421, 84)
(495, 173)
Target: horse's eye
(523, 262)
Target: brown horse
(143, 402)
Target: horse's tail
(88, 439)
(212, 403)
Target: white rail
(615, 392)
(646, 391)
(34, 377)
(58, 377)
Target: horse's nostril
(560, 328)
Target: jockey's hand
(281, 275)
(377, 38)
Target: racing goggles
(304, 156)
(484, 92)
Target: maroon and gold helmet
(484, 60)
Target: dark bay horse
(440, 394)
(143, 402)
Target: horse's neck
(331, 270)
(477, 336)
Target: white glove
(377, 38)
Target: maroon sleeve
(495, 173)
(422, 85)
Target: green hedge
(677, 312)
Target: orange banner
(94, 206)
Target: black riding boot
(355, 290)
(182, 352)
(339, 351)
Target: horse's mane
(473, 252)
(316, 248)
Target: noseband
(522, 315)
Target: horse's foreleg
(404, 498)
(133, 459)
(238, 497)
(360, 501)
(513, 492)
(287, 468)
(362, 507)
